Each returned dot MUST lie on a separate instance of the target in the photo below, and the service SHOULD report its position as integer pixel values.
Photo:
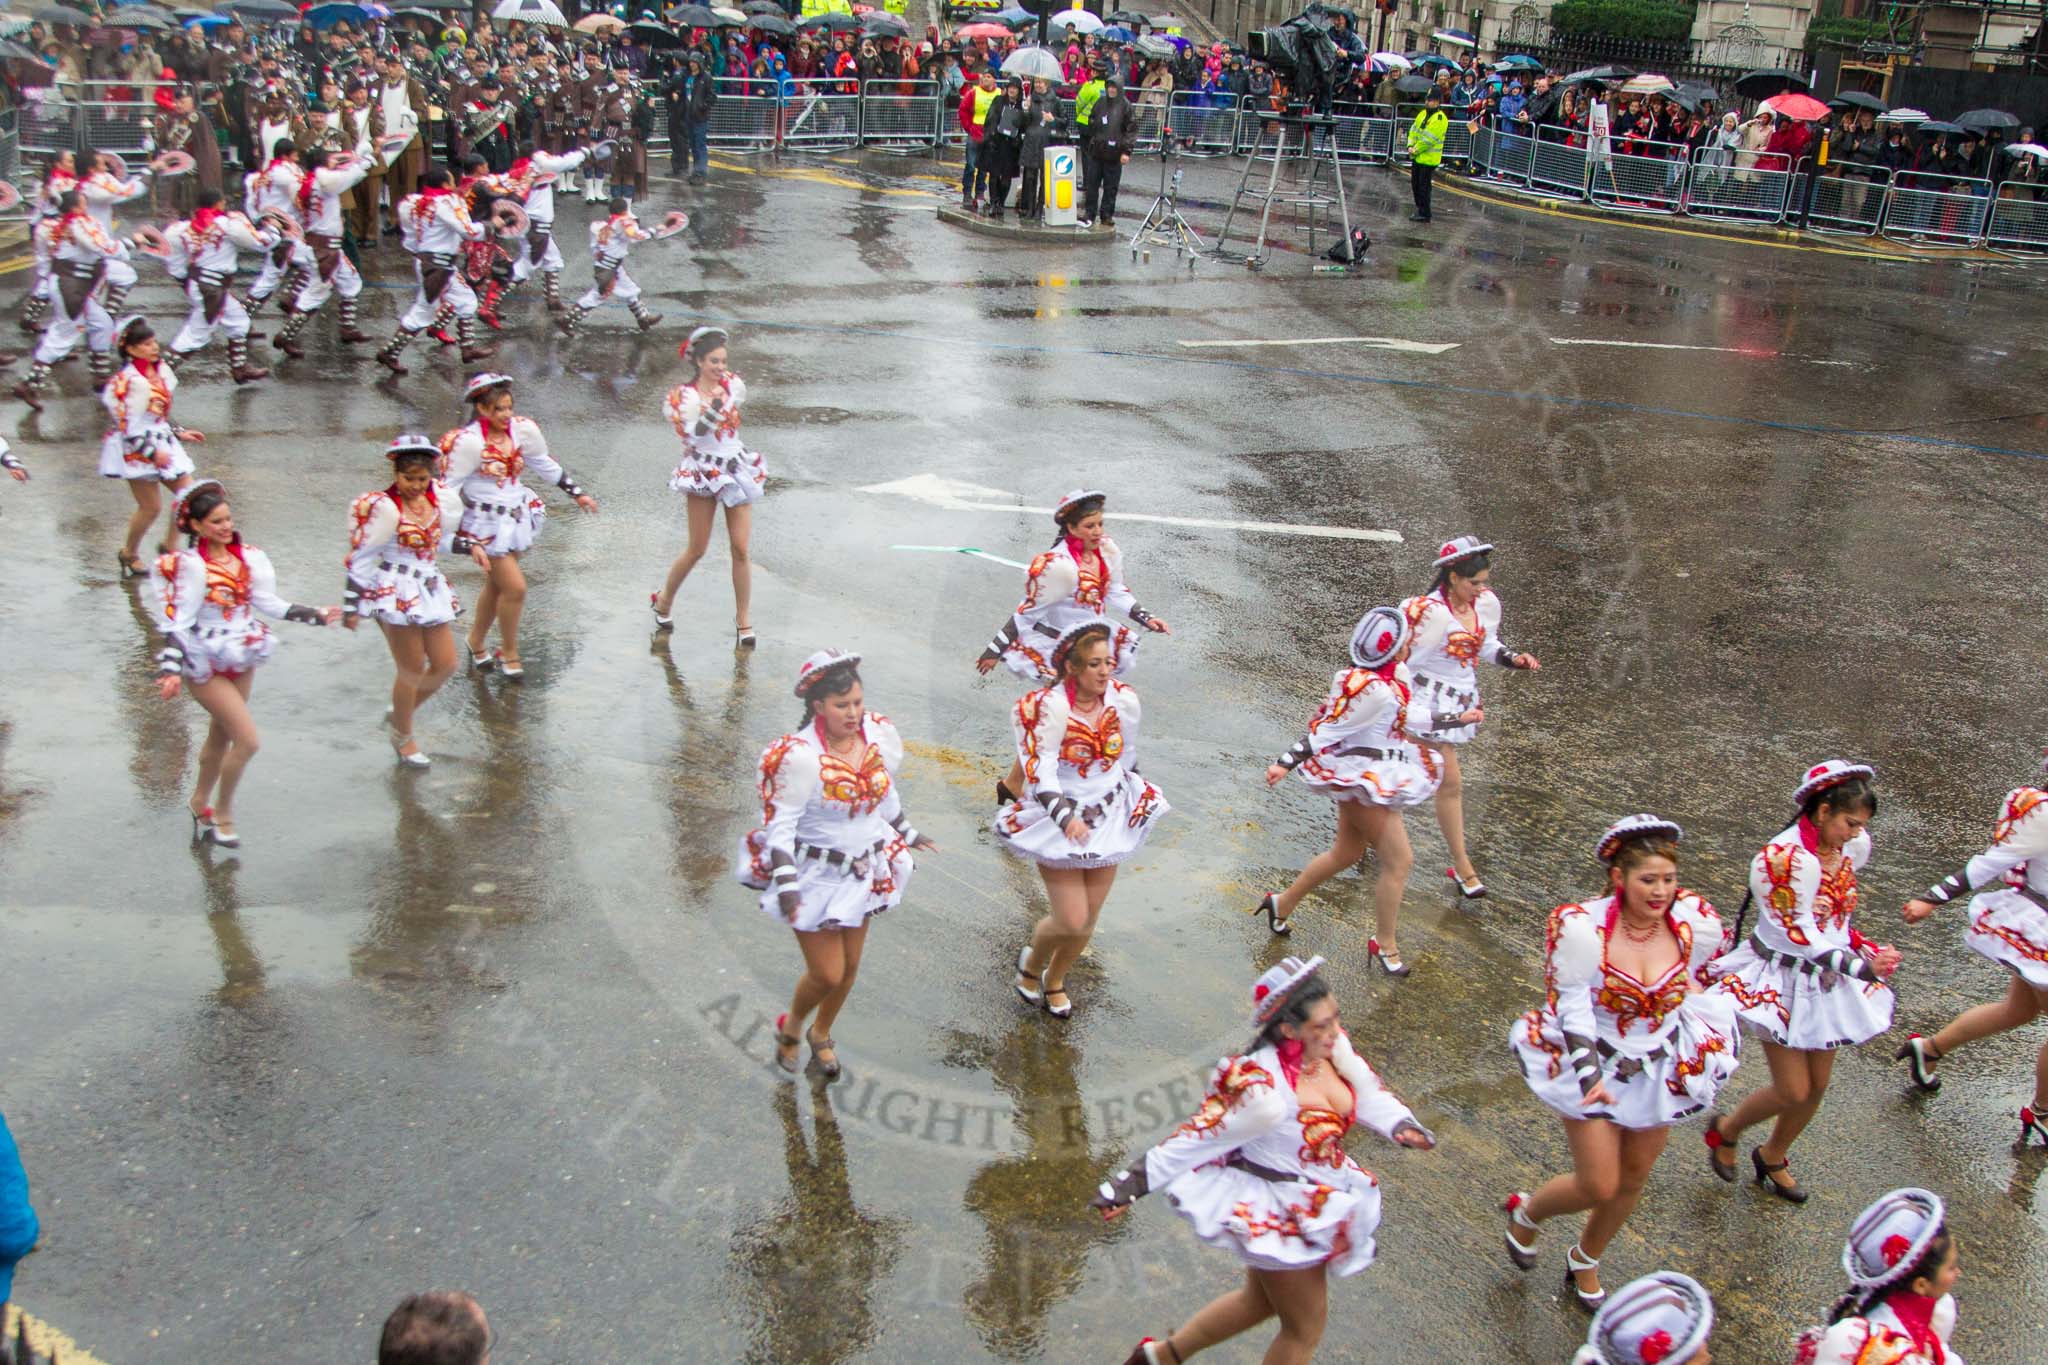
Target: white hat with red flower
(1889, 1238)
(1661, 1319)
(1282, 979)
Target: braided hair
(1073, 514)
(830, 682)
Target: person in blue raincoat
(18, 1226)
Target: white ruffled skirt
(1282, 1225)
(135, 457)
(1128, 810)
(504, 521)
(1406, 780)
(840, 897)
(2012, 931)
(225, 648)
(1445, 698)
(735, 479)
(1811, 1010)
(1656, 1080)
(407, 592)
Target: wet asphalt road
(504, 1025)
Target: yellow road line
(14, 263)
(1550, 208)
(48, 1340)
(815, 177)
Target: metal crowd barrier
(1759, 193)
(1200, 126)
(815, 121)
(1850, 200)
(744, 122)
(1365, 134)
(2018, 224)
(891, 116)
(1651, 181)
(1937, 210)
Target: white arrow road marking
(962, 550)
(1759, 352)
(1375, 343)
(955, 496)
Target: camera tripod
(1163, 225)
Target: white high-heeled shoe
(415, 759)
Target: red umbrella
(984, 31)
(1793, 105)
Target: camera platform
(1298, 152)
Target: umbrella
(1684, 99)
(1391, 59)
(1698, 92)
(1599, 75)
(771, 23)
(1793, 105)
(1079, 20)
(882, 24)
(1988, 120)
(1162, 22)
(2027, 149)
(970, 31)
(1117, 33)
(1756, 85)
(415, 12)
(64, 14)
(1456, 37)
(833, 21)
(1903, 115)
(1127, 16)
(730, 17)
(261, 9)
(1426, 59)
(1032, 63)
(765, 7)
(1154, 46)
(599, 23)
(1935, 125)
(209, 21)
(649, 34)
(1856, 99)
(339, 12)
(1415, 85)
(441, 4)
(1016, 16)
(1648, 84)
(14, 51)
(1520, 61)
(530, 12)
(693, 16)
(145, 18)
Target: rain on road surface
(504, 1024)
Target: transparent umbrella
(1032, 63)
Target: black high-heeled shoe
(1275, 921)
(1914, 1054)
(1716, 1143)
(1390, 963)
(1004, 796)
(1791, 1194)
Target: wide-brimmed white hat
(1634, 827)
(1831, 773)
(1890, 1237)
(1661, 1319)
(807, 672)
(1276, 983)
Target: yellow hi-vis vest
(1085, 97)
(982, 100)
(1426, 137)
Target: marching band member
(329, 175)
(59, 179)
(403, 101)
(394, 536)
(1662, 1319)
(143, 446)
(834, 846)
(1806, 982)
(483, 463)
(2008, 923)
(1261, 1171)
(273, 193)
(205, 603)
(1628, 1042)
(1081, 578)
(1084, 808)
(1902, 1263)
(102, 189)
(716, 471)
(436, 228)
(535, 176)
(211, 245)
(1362, 751)
(79, 253)
(611, 241)
(1456, 623)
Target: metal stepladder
(1307, 144)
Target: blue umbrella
(1422, 59)
(209, 21)
(336, 12)
(1518, 62)
(1117, 33)
(1013, 15)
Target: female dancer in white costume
(716, 471)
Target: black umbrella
(261, 9)
(693, 16)
(1856, 99)
(1599, 75)
(763, 7)
(772, 23)
(1761, 85)
(1988, 120)
(1935, 125)
(13, 51)
(647, 33)
(441, 4)
(1414, 85)
(64, 14)
(1697, 91)
(833, 21)
(1128, 18)
(882, 24)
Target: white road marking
(962, 550)
(1375, 343)
(955, 496)
(1759, 352)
